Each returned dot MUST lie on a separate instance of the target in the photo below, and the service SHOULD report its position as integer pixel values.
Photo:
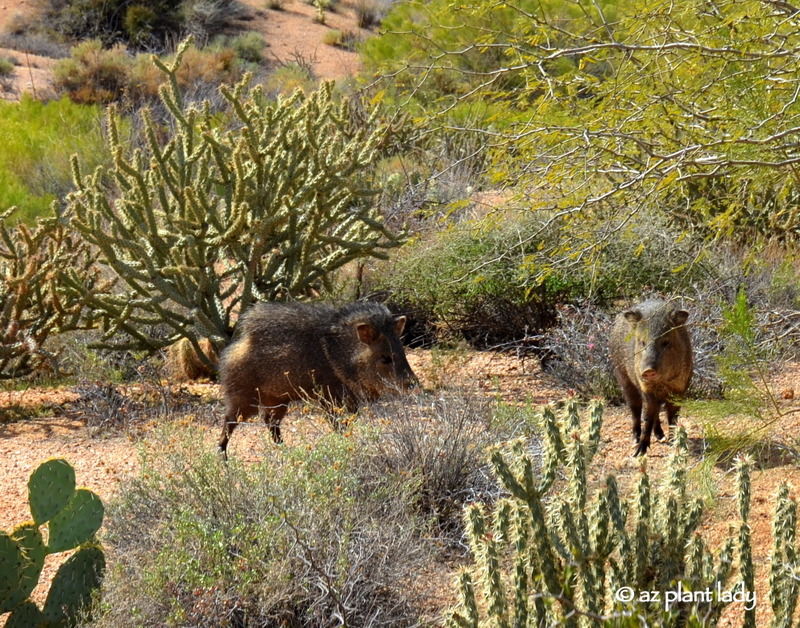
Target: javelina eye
(387, 359)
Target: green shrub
(501, 279)
(306, 536)
(249, 47)
(6, 67)
(93, 74)
(38, 141)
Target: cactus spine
(72, 517)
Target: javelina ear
(399, 325)
(679, 317)
(366, 333)
(632, 316)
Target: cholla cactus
(261, 202)
(46, 272)
(568, 553)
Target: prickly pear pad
(50, 488)
(73, 585)
(32, 550)
(10, 570)
(76, 523)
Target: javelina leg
(651, 407)
(657, 431)
(273, 415)
(231, 421)
(232, 418)
(634, 400)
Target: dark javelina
(288, 352)
(652, 357)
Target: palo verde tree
(604, 109)
(262, 202)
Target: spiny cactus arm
(743, 468)
(595, 425)
(641, 540)
(783, 585)
(554, 448)
(170, 92)
(484, 545)
(469, 618)
(521, 568)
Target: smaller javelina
(288, 352)
(652, 357)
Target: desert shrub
(205, 18)
(303, 537)
(471, 280)
(152, 25)
(499, 280)
(25, 40)
(370, 13)
(249, 47)
(6, 67)
(575, 351)
(439, 441)
(341, 39)
(93, 74)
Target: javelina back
(288, 352)
(652, 357)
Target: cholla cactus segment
(783, 584)
(469, 618)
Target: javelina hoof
(641, 450)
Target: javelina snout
(289, 352)
(652, 357)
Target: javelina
(652, 357)
(288, 352)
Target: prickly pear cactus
(72, 517)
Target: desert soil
(292, 34)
